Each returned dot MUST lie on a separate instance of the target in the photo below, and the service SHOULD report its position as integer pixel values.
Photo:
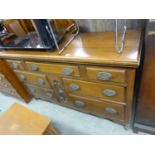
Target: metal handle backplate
(15, 66)
(49, 94)
(111, 110)
(104, 75)
(74, 87)
(34, 67)
(67, 71)
(79, 104)
(22, 77)
(40, 82)
(60, 92)
(109, 92)
(32, 90)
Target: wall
(101, 25)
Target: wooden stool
(19, 120)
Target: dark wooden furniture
(10, 84)
(145, 113)
(89, 76)
(19, 120)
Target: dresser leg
(127, 127)
(135, 131)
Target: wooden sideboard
(89, 76)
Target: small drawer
(99, 108)
(9, 92)
(5, 84)
(42, 93)
(106, 74)
(33, 78)
(2, 77)
(15, 64)
(103, 91)
(53, 68)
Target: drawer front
(66, 70)
(16, 64)
(42, 93)
(33, 78)
(106, 74)
(9, 92)
(104, 109)
(103, 91)
(1, 76)
(5, 84)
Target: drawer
(99, 108)
(1, 76)
(5, 84)
(15, 64)
(42, 93)
(103, 91)
(9, 92)
(66, 70)
(33, 78)
(106, 74)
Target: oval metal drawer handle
(104, 76)
(79, 104)
(15, 65)
(34, 67)
(111, 110)
(67, 71)
(40, 82)
(49, 95)
(74, 87)
(109, 92)
(22, 78)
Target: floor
(68, 121)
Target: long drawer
(33, 78)
(53, 68)
(103, 91)
(106, 74)
(104, 109)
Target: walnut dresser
(89, 76)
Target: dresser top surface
(95, 48)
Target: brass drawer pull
(15, 65)
(67, 71)
(111, 110)
(79, 104)
(49, 95)
(104, 76)
(40, 82)
(109, 92)
(34, 67)
(22, 78)
(74, 87)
